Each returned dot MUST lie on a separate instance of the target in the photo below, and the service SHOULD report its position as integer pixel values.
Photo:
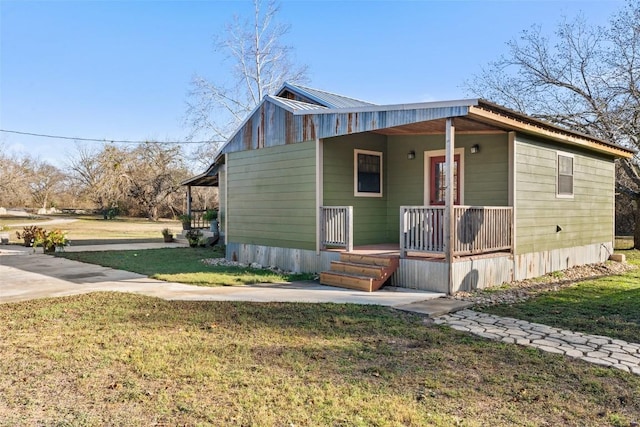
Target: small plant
(185, 219)
(50, 240)
(4, 227)
(193, 236)
(29, 234)
(202, 241)
(210, 215)
(168, 236)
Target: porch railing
(476, 229)
(336, 227)
(197, 221)
(482, 229)
(421, 229)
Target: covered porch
(441, 164)
(477, 230)
(210, 178)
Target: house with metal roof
(441, 196)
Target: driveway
(25, 275)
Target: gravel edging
(520, 291)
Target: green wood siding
(222, 209)
(585, 219)
(376, 220)
(486, 173)
(271, 196)
(369, 213)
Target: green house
(461, 194)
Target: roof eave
(392, 107)
(499, 116)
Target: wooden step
(367, 259)
(360, 272)
(369, 270)
(346, 280)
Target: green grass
(124, 359)
(607, 306)
(183, 265)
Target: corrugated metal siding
(334, 124)
(472, 274)
(298, 260)
(422, 274)
(537, 264)
(271, 125)
(467, 274)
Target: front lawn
(183, 265)
(123, 359)
(607, 306)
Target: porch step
(360, 272)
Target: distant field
(623, 242)
(94, 229)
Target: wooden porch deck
(393, 249)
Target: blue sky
(121, 69)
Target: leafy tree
(260, 63)
(584, 77)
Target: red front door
(438, 180)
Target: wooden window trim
(573, 175)
(356, 192)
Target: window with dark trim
(564, 186)
(367, 173)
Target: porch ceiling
(462, 124)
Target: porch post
(319, 194)
(188, 200)
(449, 220)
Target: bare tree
(13, 179)
(99, 174)
(153, 173)
(45, 180)
(260, 64)
(584, 77)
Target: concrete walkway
(596, 349)
(25, 275)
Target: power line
(120, 141)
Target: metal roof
(294, 106)
(327, 99)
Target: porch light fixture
(475, 149)
(411, 155)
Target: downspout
(449, 219)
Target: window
(367, 173)
(564, 187)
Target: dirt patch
(523, 290)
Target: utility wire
(121, 141)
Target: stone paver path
(596, 349)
